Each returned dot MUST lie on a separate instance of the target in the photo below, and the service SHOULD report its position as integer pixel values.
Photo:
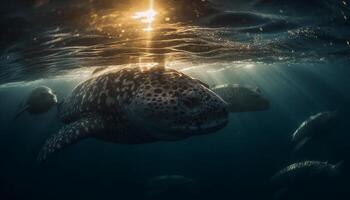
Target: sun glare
(147, 16)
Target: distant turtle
(304, 177)
(315, 126)
(242, 98)
(40, 100)
(137, 105)
(304, 172)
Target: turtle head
(41, 99)
(175, 106)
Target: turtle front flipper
(73, 133)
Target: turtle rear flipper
(71, 134)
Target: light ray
(147, 16)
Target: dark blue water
(297, 52)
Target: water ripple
(110, 37)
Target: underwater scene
(174, 99)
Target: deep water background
(297, 52)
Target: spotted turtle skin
(137, 105)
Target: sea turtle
(316, 125)
(137, 105)
(40, 100)
(242, 98)
(304, 177)
(306, 172)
